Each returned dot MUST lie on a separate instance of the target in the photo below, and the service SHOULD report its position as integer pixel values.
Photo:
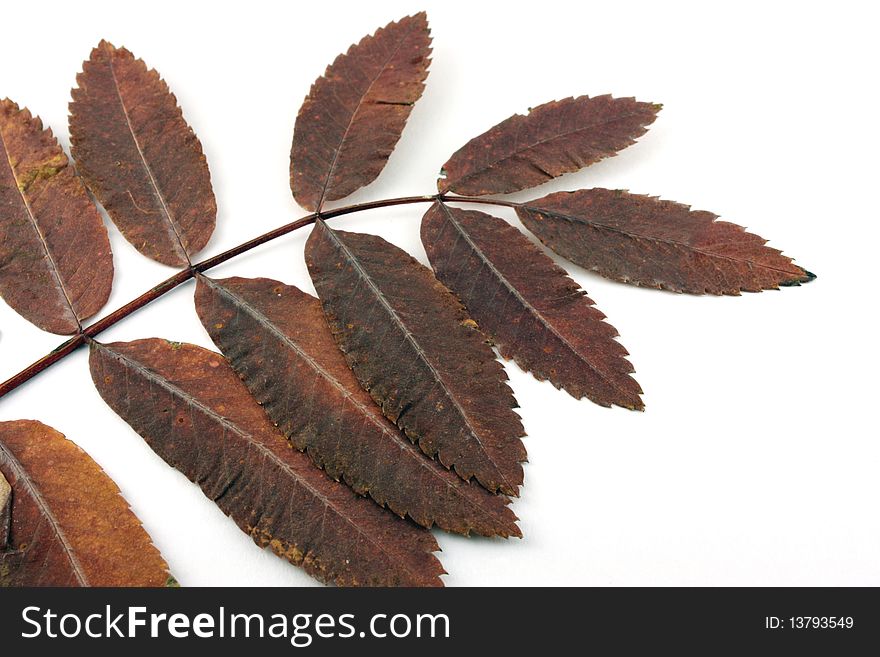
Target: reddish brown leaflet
(412, 346)
(646, 241)
(55, 262)
(140, 158)
(67, 524)
(354, 114)
(529, 307)
(552, 139)
(278, 341)
(195, 413)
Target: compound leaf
(63, 521)
(529, 307)
(647, 241)
(552, 139)
(413, 347)
(139, 157)
(194, 411)
(355, 113)
(277, 339)
(56, 267)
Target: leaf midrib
(156, 190)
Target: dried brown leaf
(413, 347)
(194, 411)
(139, 157)
(647, 241)
(552, 139)
(56, 268)
(277, 339)
(529, 307)
(355, 113)
(67, 524)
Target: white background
(757, 459)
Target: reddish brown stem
(180, 277)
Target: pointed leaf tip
(803, 280)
